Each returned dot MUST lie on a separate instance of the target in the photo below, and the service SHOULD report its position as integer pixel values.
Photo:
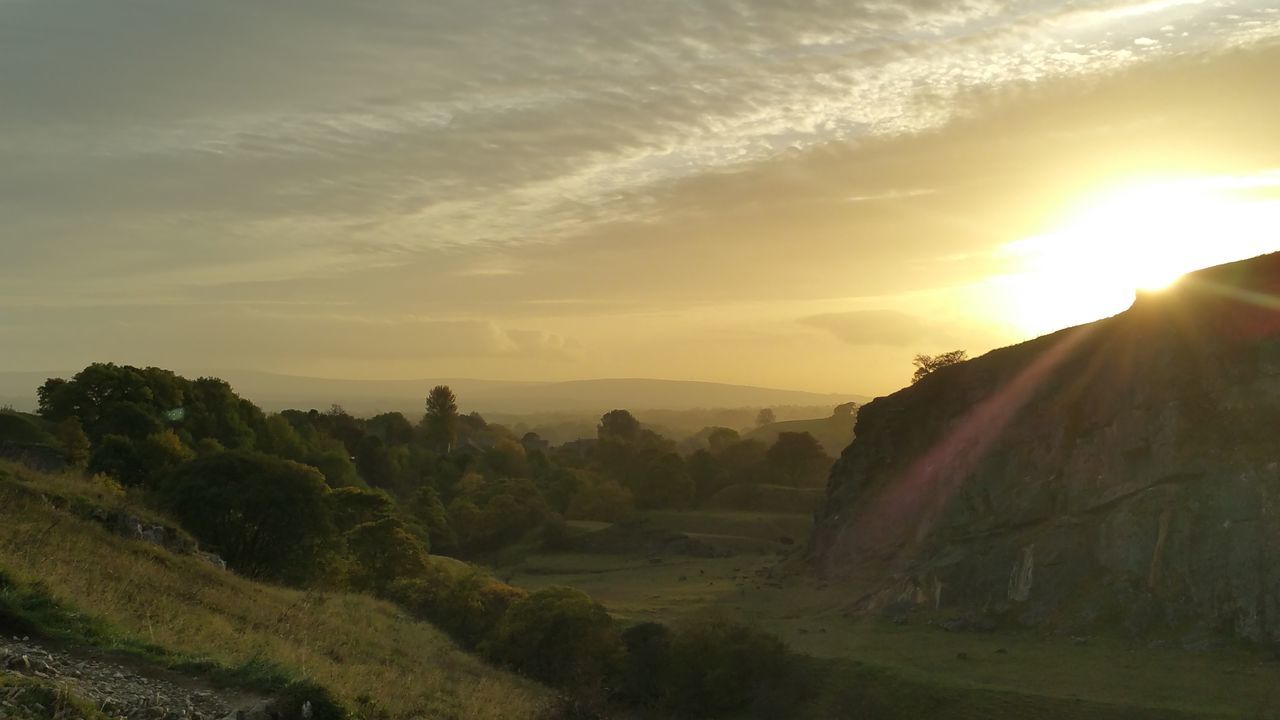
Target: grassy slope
(834, 433)
(917, 668)
(349, 644)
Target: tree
(646, 674)
(75, 444)
(441, 420)
(926, 364)
(429, 511)
(382, 552)
(160, 453)
(766, 417)
(267, 517)
(350, 507)
(374, 462)
(94, 392)
(280, 438)
(392, 428)
(720, 438)
(619, 425)
(336, 466)
(720, 667)
(119, 457)
(600, 499)
(561, 636)
(798, 460)
(214, 410)
(665, 483)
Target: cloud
(880, 327)
(447, 124)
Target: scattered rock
(116, 690)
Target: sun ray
(1141, 237)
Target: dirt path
(118, 687)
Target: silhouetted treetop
(926, 364)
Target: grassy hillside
(128, 594)
(834, 433)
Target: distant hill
(276, 392)
(834, 433)
(18, 389)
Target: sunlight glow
(1141, 237)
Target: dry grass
(352, 645)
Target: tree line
(327, 500)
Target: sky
(787, 193)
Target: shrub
(467, 604)
(382, 550)
(719, 667)
(120, 458)
(600, 499)
(560, 636)
(646, 672)
(267, 517)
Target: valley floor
(1012, 674)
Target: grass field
(1009, 674)
(134, 595)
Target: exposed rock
(130, 526)
(1124, 473)
(121, 690)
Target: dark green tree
(392, 428)
(646, 674)
(267, 517)
(279, 438)
(440, 423)
(383, 551)
(721, 438)
(719, 668)
(425, 506)
(120, 458)
(560, 636)
(798, 460)
(374, 462)
(351, 506)
(618, 425)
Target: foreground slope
(1123, 474)
(352, 645)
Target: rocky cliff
(1124, 473)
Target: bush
(382, 551)
(267, 517)
(600, 499)
(646, 672)
(120, 458)
(467, 604)
(719, 667)
(560, 636)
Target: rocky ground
(44, 681)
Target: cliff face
(1124, 473)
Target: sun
(1141, 237)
